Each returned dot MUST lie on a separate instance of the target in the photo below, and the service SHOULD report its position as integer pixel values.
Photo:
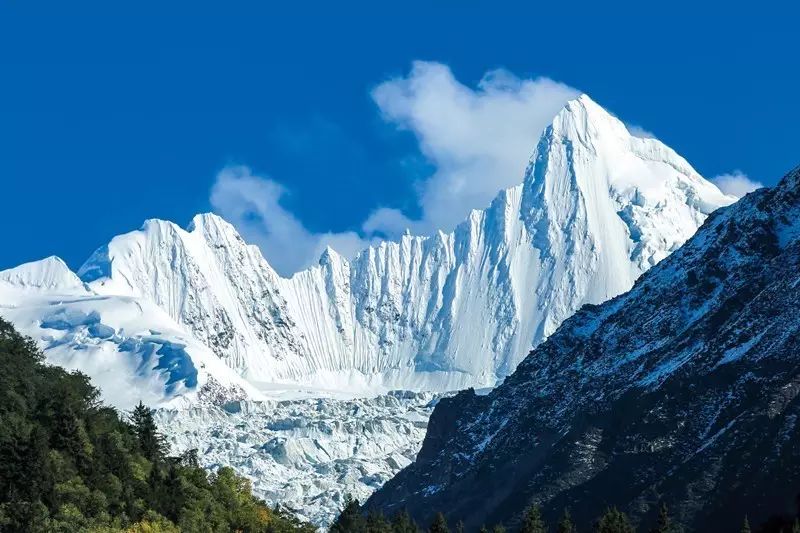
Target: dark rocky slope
(683, 390)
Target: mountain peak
(329, 255)
(205, 220)
(589, 170)
(214, 229)
(582, 120)
(598, 208)
(50, 273)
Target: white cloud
(391, 222)
(736, 183)
(252, 204)
(478, 139)
(638, 131)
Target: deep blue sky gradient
(113, 113)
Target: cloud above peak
(477, 139)
(736, 183)
(252, 204)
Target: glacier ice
(307, 454)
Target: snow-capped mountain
(687, 388)
(597, 207)
(197, 318)
(130, 348)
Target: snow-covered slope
(597, 208)
(130, 347)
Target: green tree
(403, 523)
(796, 526)
(439, 524)
(377, 523)
(499, 528)
(614, 521)
(565, 524)
(350, 520)
(532, 520)
(745, 525)
(151, 442)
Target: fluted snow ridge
(597, 208)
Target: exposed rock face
(683, 390)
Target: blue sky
(111, 115)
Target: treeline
(352, 520)
(70, 464)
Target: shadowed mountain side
(683, 390)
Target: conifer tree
(151, 442)
(796, 526)
(614, 521)
(532, 520)
(377, 523)
(745, 525)
(499, 528)
(402, 523)
(565, 524)
(439, 524)
(350, 520)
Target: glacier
(196, 321)
(306, 454)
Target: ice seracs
(306, 454)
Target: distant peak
(48, 273)
(157, 224)
(583, 115)
(214, 228)
(581, 101)
(329, 255)
(582, 104)
(53, 261)
(205, 220)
